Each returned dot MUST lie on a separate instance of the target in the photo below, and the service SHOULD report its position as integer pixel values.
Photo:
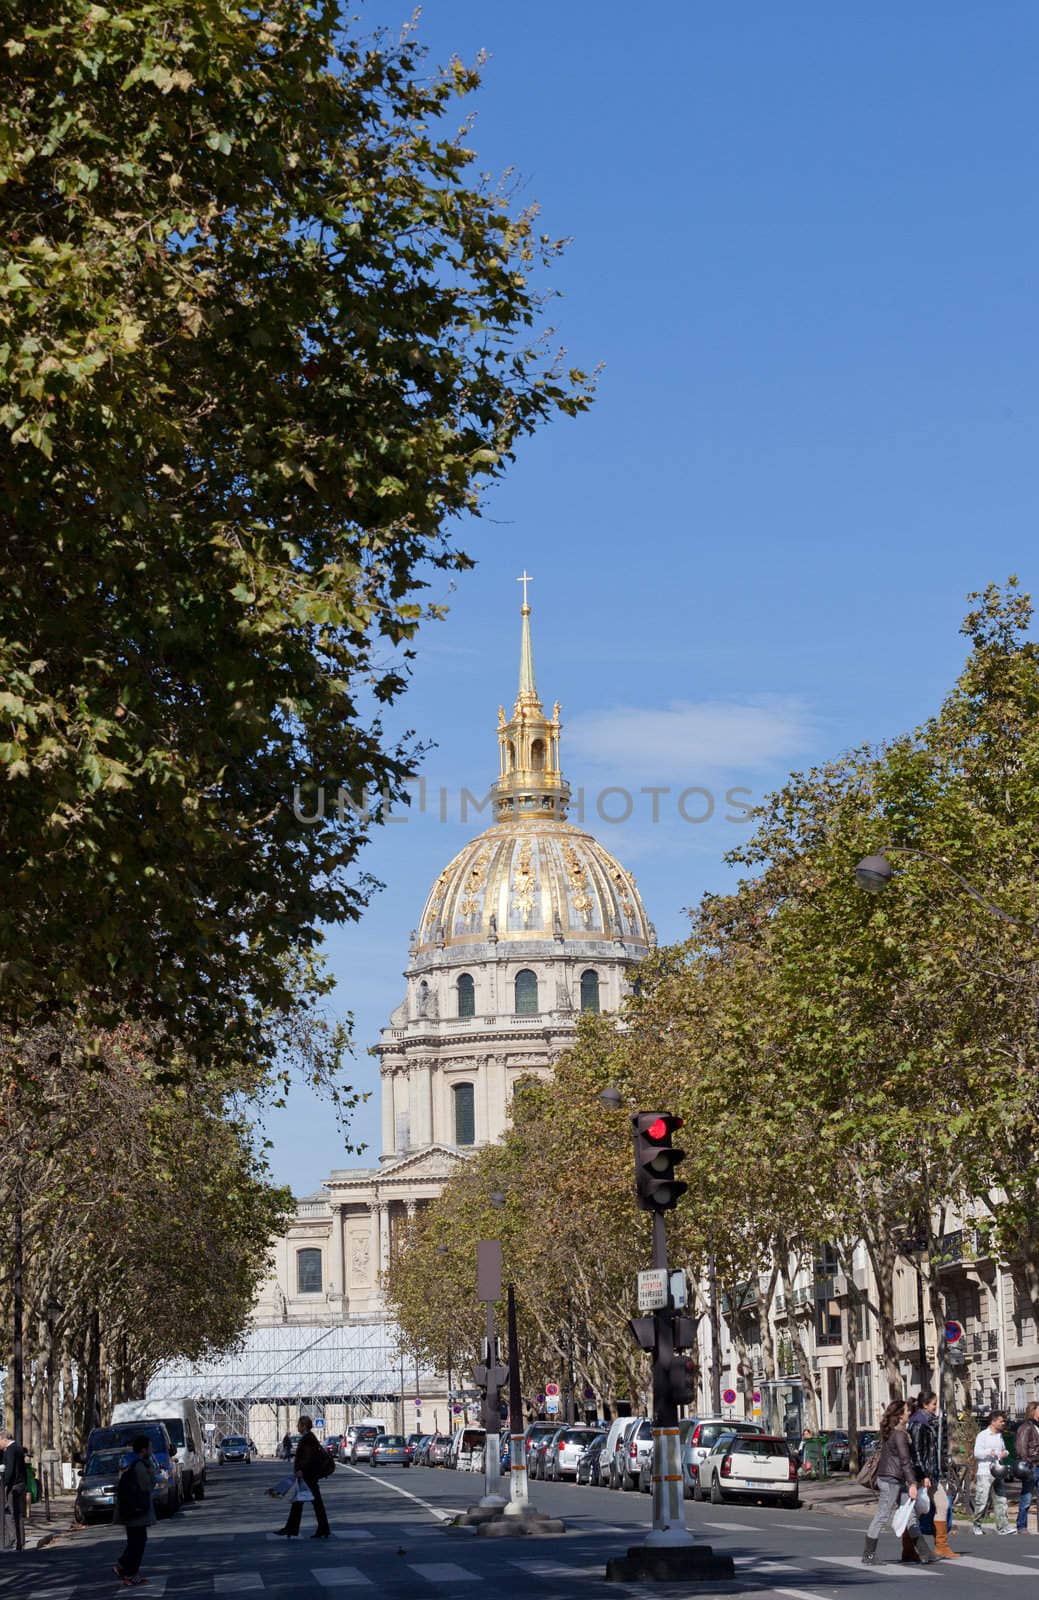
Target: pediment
(435, 1161)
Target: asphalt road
(391, 1540)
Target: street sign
(319, 1422)
(552, 1404)
(653, 1289)
(729, 1397)
(551, 1388)
(757, 1397)
(418, 1405)
(457, 1410)
(953, 1332)
(679, 1289)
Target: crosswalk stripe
(557, 1569)
(981, 1564)
(352, 1533)
(50, 1594)
(736, 1527)
(754, 1567)
(856, 1561)
(443, 1572)
(236, 1582)
(332, 1577)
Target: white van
(186, 1435)
(467, 1449)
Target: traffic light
(655, 1160)
(681, 1380)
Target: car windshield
(175, 1428)
(367, 1433)
(105, 1463)
(123, 1433)
(395, 1439)
(578, 1435)
(235, 1441)
(760, 1447)
(472, 1437)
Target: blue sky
(804, 242)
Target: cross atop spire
(529, 781)
(527, 687)
(525, 578)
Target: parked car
(120, 1436)
(234, 1447)
(182, 1422)
(332, 1444)
(636, 1465)
(838, 1449)
(614, 1434)
(749, 1467)
(365, 1440)
(698, 1438)
(535, 1435)
(467, 1450)
(95, 1492)
(391, 1450)
(588, 1460)
(562, 1451)
(439, 1450)
(536, 1453)
(869, 1444)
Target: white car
(748, 1467)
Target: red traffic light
(659, 1130)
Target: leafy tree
(263, 337)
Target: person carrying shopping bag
(312, 1462)
(990, 1453)
(1026, 1448)
(896, 1481)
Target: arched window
(1020, 1396)
(537, 755)
(526, 993)
(511, 748)
(466, 995)
(465, 1113)
(308, 1271)
(590, 990)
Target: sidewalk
(839, 1496)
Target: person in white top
(990, 1453)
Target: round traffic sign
(457, 1410)
(757, 1397)
(953, 1332)
(729, 1397)
(551, 1388)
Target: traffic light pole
(668, 1501)
(518, 1494)
(492, 1495)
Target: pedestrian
(311, 1463)
(807, 1469)
(923, 1445)
(896, 1479)
(135, 1510)
(990, 1453)
(286, 1447)
(1026, 1449)
(15, 1483)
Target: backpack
(326, 1466)
(131, 1500)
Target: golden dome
(535, 878)
(532, 875)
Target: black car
(588, 1461)
(838, 1449)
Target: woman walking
(311, 1465)
(896, 1479)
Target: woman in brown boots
(896, 1479)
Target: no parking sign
(729, 1397)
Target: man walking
(135, 1509)
(990, 1453)
(312, 1463)
(15, 1483)
(1026, 1448)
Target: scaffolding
(336, 1374)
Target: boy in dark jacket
(135, 1510)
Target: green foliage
(263, 335)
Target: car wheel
(627, 1481)
(717, 1498)
(645, 1482)
(614, 1480)
(697, 1492)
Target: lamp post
(443, 1251)
(875, 872)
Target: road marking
(754, 1567)
(802, 1527)
(737, 1527)
(46, 1594)
(856, 1561)
(332, 1577)
(352, 1533)
(443, 1572)
(556, 1569)
(980, 1564)
(236, 1582)
(797, 1594)
(434, 1511)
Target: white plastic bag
(923, 1502)
(900, 1520)
(302, 1492)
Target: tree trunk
(804, 1366)
(882, 1256)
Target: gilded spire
(528, 689)
(529, 779)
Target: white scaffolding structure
(338, 1374)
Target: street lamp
(874, 873)
(611, 1098)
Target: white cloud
(688, 738)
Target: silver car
(563, 1452)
